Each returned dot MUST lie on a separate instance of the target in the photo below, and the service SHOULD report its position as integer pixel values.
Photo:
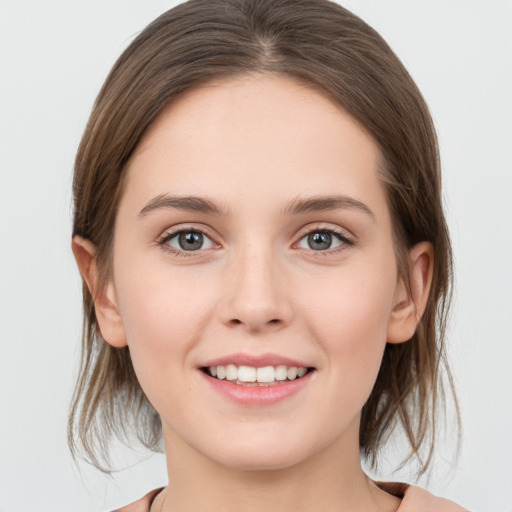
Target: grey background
(54, 56)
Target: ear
(105, 302)
(410, 302)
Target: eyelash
(343, 237)
(163, 242)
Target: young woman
(266, 262)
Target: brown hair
(331, 49)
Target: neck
(331, 480)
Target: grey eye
(320, 241)
(190, 241)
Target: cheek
(350, 319)
(163, 319)
(160, 306)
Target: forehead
(255, 137)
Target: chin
(260, 461)
(261, 453)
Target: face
(254, 273)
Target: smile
(257, 380)
(256, 376)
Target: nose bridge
(256, 293)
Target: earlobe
(411, 300)
(105, 302)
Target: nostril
(237, 321)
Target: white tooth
(281, 372)
(213, 371)
(231, 372)
(265, 374)
(246, 374)
(301, 372)
(221, 372)
(292, 372)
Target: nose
(257, 295)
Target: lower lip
(258, 395)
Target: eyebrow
(187, 203)
(297, 206)
(321, 203)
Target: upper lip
(256, 361)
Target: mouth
(263, 376)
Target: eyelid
(345, 236)
(174, 231)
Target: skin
(252, 146)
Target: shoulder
(419, 500)
(142, 505)
(415, 499)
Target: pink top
(414, 499)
